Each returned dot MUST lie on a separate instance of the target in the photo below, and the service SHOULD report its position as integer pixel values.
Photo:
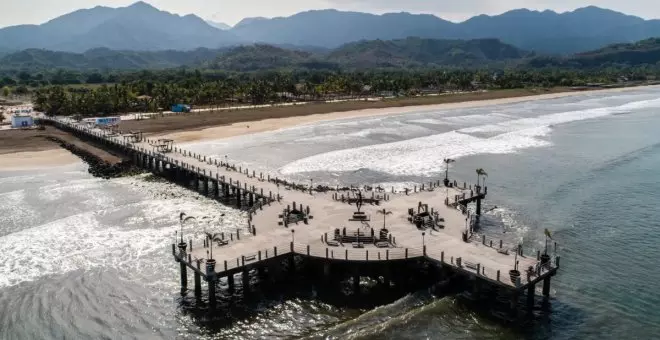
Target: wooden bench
(470, 265)
(250, 258)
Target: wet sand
(213, 132)
(35, 149)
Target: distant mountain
(141, 27)
(136, 27)
(219, 25)
(645, 52)
(103, 58)
(411, 52)
(546, 32)
(332, 28)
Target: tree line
(152, 91)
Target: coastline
(272, 124)
(22, 150)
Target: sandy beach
(28, 149)
(271, 124)
(36, 159)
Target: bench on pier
(361, 237)
(332, 243)
(358, 245)
(372, 201)
(470, 265)
(250, 258)
(293, 216)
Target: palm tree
(182, 220)
(213, 237)
(481, 172)
(447, 161)
(385, 213)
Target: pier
(332, 234)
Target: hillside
(411, 52)
(136, 27)
(645, 52)
(103, 58)
(414, 52)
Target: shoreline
(36, 160)
(273, 124)
(31, 152)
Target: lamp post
(423, 240)
(447, 161)
(311, 184)
(226, 162)
(293, 233)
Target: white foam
(423, 156)
(85, 241)
(431, 121)
(418, 156)
(561, 118)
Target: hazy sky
(14, 12)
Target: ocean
(84, 257)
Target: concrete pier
(341, 233)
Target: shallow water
(90, 258)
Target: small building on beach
(21, 121)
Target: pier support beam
(514, 303)
(230, 283)
(356, 284)
(211, 279)
(182, 263)
(546, 287)
(246, 282)
(530, 297)
(198, 285)
(479, 206)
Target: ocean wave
(561, 118)
(417, 156)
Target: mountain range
(141, 27)
(138, 27)
(401, 53)
(410, 52)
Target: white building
(21, 121)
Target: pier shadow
(541, 322)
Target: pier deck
(266, 235)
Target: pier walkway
(429, 221)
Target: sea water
(89, 258)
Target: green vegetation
(152, 91)
(262, 74)
(411, 52)
(645, 52)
